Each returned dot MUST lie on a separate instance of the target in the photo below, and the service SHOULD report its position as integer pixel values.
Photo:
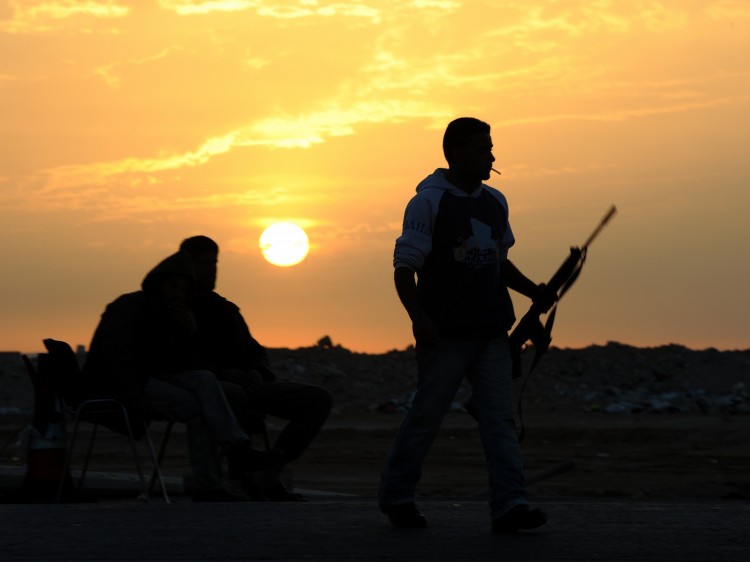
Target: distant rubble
(612, 379)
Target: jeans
(304, 406)
(487, 366)
(197, 399)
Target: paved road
(337, 528)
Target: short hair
(198, 245)
(459, 130)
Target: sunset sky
(126, 127)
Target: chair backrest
(60, 366)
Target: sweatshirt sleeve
(415, 242)
(508, 238)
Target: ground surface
(674, 456)
(353, 530)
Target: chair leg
(66, 463)
(167, 435)
(265, 436)
(157, 460)
(135, 451)
(87, 458)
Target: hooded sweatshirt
(138, 338)
(456, 242)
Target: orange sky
(128, 126)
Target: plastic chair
(60, 366)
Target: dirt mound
(615, 378)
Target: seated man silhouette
(143, 354)
(241, 364)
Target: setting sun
(284, 244)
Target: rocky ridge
(614, 378)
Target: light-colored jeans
(197, 399)
(487, 366)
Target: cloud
(573, 21)
(289, 132)
(659, 18)
(331, 10)
(64, 177)
(37, 17)
(190, 7)
(278, 10)
(729, 9)
(625, 114)
(109, 72)
(524, 170)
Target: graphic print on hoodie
(456, 243)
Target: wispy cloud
(400, 76)
(729, 9)
(109, 72)
(64, 177)
(190, 7)
(35, 17)
(301, 9)
(626, 114)
(300, 131)
(311, 10)
(524, 170)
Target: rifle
(530, 327)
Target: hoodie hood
(437, 180)
(180, 263)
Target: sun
(284, 244)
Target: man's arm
(257, 361)
(114, 359)
(424, 330)
(517, 281)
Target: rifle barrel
(602, 224)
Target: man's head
(174, 289)
(172, 279)
(205, 254)
(467, 146)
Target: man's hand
(543, 297)
(183, 317)
(424, 330)
(250, 380)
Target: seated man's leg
(214, 406)
(250, 422)
(305, 406)
(164, 400)
(220, 425)
(239, 402)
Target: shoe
(243, 458)
(405, 516)
(217, 495)
(520, 517)
(250, 488)
(277, 492)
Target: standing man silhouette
(455, 238)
